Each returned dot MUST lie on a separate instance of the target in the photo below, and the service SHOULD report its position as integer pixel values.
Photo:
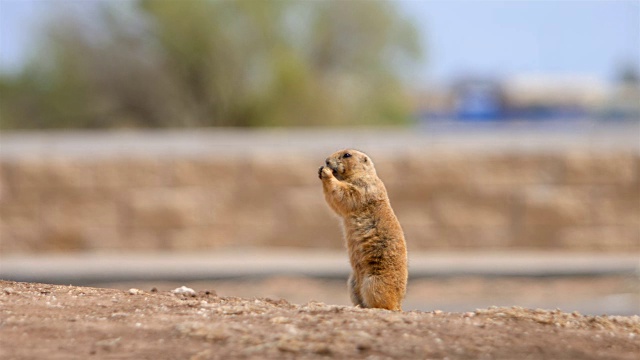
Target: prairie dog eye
(346, 155)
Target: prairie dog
(375, 241)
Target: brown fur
(374, 238)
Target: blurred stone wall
(446, 197)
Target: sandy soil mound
(66, 322)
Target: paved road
(196, 142)
(95, 268)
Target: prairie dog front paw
(324, 172)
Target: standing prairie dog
(375, 241)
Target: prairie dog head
(348, 164)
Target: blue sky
(482, 38)
(504, 38)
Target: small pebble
(280, 320)
(184, 290)
(134, 291)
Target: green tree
(166, 63)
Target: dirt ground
(591, 295)
(40, 321)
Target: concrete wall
(208, 190)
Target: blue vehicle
(478, 101)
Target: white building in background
(580, 91)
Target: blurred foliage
(160, 63)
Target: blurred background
(138, 136)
